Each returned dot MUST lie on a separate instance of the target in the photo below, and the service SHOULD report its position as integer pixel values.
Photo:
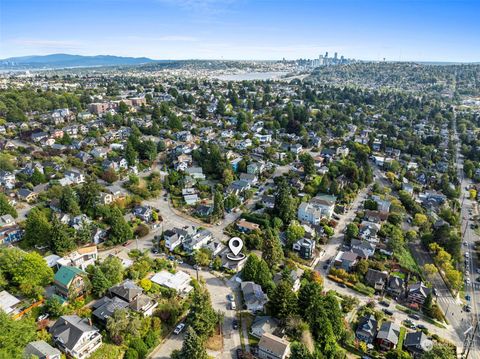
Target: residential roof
(40, 349)
(105, 307)
(68, 330)
(7, 301)
(417, 341)
(274, 344)
(389, 331)
(126, 290)
(66, 274)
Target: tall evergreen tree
(61, 238)
(7, 208)
(284, 301)
(272, 251)
(284, 203)
(37, 228)
(193, 347)
(218, 205)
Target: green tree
(69, 201)
(218, 205)
(295, 231)
(272, 251)
(54, 307)
(100, 283)
(37, 228)
(202, 317)
(37, 177)
(120, 230)
(352, 231)
(112, 268)
(61, 238)
(249, 271)
(308, 163)
(284, 203)
(284, 301)
(131, 155)
(7, 208)
(193, 347)
(15, 335)
(398, 354)
(440, 351)
(88, 195)
(307, 293)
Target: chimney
(90, 322)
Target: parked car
(387, 311)
(230, 297)
(421, 327)
(43, 317)
(384, 303)
(179, 328)
(197, 267)
(235, 324)
(414, 316)
(127, 243)
(239, 354)
(233, 306)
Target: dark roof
(368, 324)
(126, 290)
(40, 349)
(68, 329)
(105, 307)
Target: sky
(397, 30)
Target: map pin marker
(236, 245)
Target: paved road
(219, 289)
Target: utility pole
(469, 339)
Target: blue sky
(437, 30)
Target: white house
(319, 207)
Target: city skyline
(242, 29)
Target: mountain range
(56, 61)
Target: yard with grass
(401, 337)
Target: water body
(271, 75)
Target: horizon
(405, 31)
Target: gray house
(367, 329)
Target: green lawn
(406, 260)
(401, 337)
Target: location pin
(236, 245)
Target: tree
(112, 268)
(37, 228)
(398, 354)
(218, 206)
(307, 293)
(440, 351)
(140, 347)
(15, 335)
(352, 231)
(100, 283)
(202, 317)
(227, 176)
(120, 230)
(202, 256)
(54, 307)
(88, 194)
(430, 269)
(69, 201)
(427, 304)
(362, 267)
(131, 155)
(308, 163)
(300, 351)
(295, 231)
(110, 175)
(284, 301)
(117, 325)
(7, 208)
(61, 238)
(193, 347)
(37, 177)
(249, 272)
(27, 271)
(284, 203)
(272, 251)
(420, 219)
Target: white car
(179, 328)
(233, 306)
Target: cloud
(210, 7)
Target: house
(417, 343)
(180, 281)
(27, 195)
(105, 198)
(254, 297)
(76, 337)
(175, 237)
(382, 205)
(41, 350)
(305, 247)
(376, 279)
(70, 282)
(204, 210)
(7, 179)
(367, 329)
(8, 303)
(395, 286)
(417, 293)
(196, 172)
(127, 291)
(262, 325)
(198, 240)
(364, 249)
(255, 168)
(105, 307)
(143, 304)
(246, 227)
(387, 337)
(346, 260)
(296, 148)
(273, 347)
(81, 258)
(75, 177)
(143, 212)
(237, 187)
(252, 179)
(318, 208)
(191, 199)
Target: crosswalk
(447, 300)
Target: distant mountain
(55, 61)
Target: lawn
(108, 351)
(401, 337)
(406, 260)
(215, 342)
(398, 274)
